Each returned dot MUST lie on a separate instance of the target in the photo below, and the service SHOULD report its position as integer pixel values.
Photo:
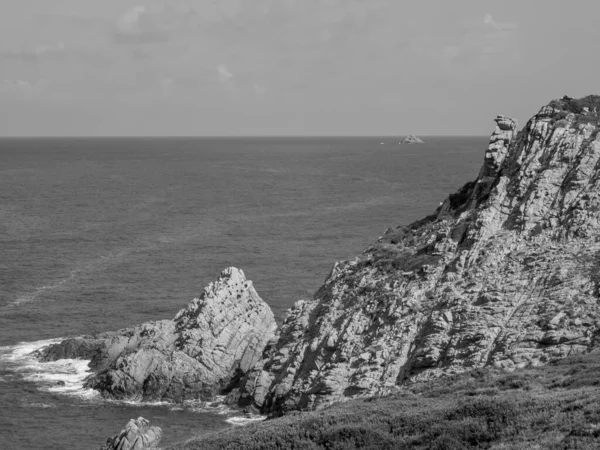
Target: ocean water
(100, 234)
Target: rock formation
(205, 347)
(412, 139)
(505, 273)
(137, 435)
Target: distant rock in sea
(412, 139)
(137, 435)
(208, 344)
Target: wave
(71, 276)
(245, 420)
(216, 406)
(40, 290)
(39, 405)
(65, 376)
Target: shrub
(356, 437)
(568, 105)
(554, 407)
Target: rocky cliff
(505, 273)
(207, 346)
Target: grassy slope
(550, 407)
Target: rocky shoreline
(196, 355)
(504, 274)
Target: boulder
(137, 435)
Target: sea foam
(65, 376)
(245, 420)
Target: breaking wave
(65, 376)
(245, 420)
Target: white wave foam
(72, 275)
(40, 290)
(245, 420)
(65, 376)
(215, 406)
(138, 403)
(24, 349)
(40, 405)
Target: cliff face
(204, 348)
(505, 273)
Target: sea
(102, 234)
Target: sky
(288, 67)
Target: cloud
(140, 26)
(166, 86)
(57, 51)
(486, 46)
(225, 76)
(23, 89)
(489, 22)
(60, 18)
(259, 89)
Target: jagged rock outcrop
(137, 435)
(505, 273)
(208, 344)
(412, 139)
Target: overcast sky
(242, 67)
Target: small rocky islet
(503, 275)
(412, 139)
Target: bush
(568, 105)
(356, 437)
(554, 407)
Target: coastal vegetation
(551, 407)
(586, 109)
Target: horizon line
(239, 136)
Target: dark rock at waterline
(200, 352)
(137, 435)
(71, 349)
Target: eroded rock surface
(412, 139)
(208, 344)
(137, 435)
(505, 273)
